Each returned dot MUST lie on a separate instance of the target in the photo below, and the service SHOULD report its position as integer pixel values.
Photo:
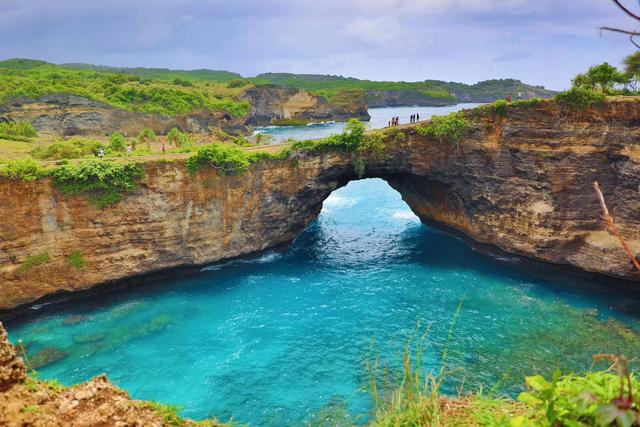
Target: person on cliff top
(417, 117)
(509, 98)
(129, 150)
(101, 153)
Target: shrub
(34, 261)
(74, 148)
(580, 98)
(117, 143)
(450, 129)
(499, 108)
(596, 398)
(103, 182)
(17, 130)
(228, 159)
(23, 170)
(77, 260)
(147, 136)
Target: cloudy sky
(538, 41)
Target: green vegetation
(181, 76)
(117, 143)
(411, 396)
(102, 181)
(179, 139)
(74, 148)
(594, 399)
(228, 159)
(77, 260)
(33, 79)
(169, 413)
(434, 90)
(34, 261)
(147, 136)
(580, 98)
(17, 131)
(601, 77)
(23, 170)
(447, 129)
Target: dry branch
(612, 226)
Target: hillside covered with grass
(22, 78)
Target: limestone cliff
(65, 114)
(275, 103)
(521, 183)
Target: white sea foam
(405, 215)
(339, 201)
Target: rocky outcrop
(29, 402)
(522, 183)
(65, 114)
(276, 103)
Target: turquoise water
(379, 119)
(282, 339)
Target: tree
(632, 34)
(174, 137)
(147, 136)
(602, 77)
(117, 142)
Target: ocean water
(379, 119)
(283, 338)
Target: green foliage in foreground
(17, 131)
(74, 148)
(117, 143)
(579, 98)
(103, 182)
(34, 261)
(447, 129)
(593, 399)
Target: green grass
(77, 260)
(34, 261)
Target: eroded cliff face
(521, 183)
(274, 103)
(64, 114)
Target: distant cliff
(65, 114)
(273, 104)
(521, 183)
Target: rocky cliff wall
(521, 183)
(274, 103)
(64, 114)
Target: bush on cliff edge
(103, 182)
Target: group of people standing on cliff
(395, 121)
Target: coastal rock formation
(276, 103)
(65, 114)
(29, 402)
(521, 183)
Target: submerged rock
(73, 320)
(46, 356)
